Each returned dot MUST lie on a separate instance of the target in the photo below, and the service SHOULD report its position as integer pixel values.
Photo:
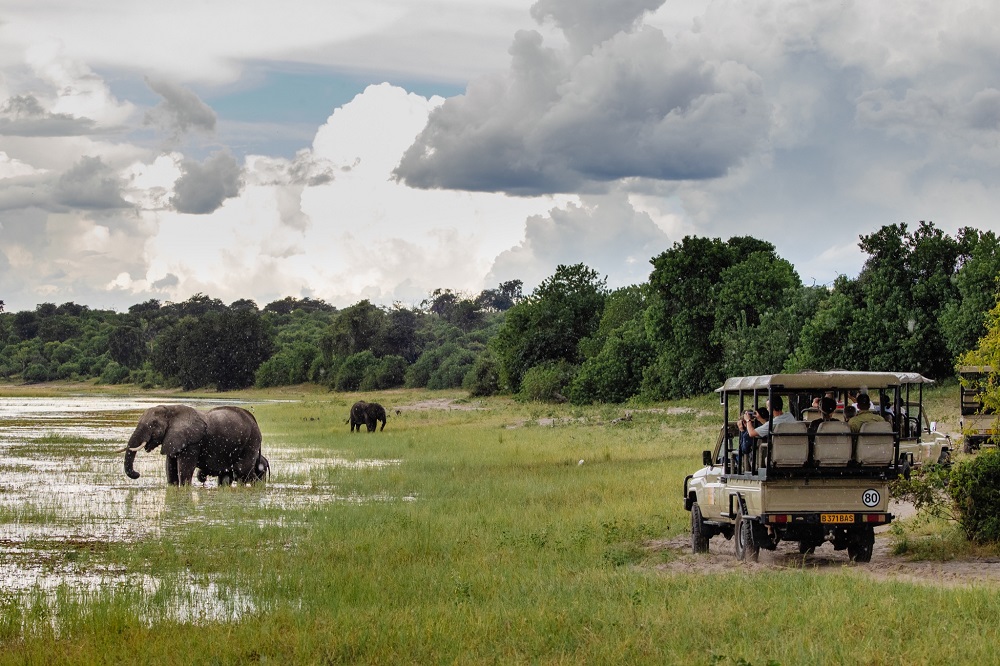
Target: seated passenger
(827, 406)
(865, 415)
(746, 441)
(777, 416)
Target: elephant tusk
(134, 448)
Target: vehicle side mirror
(706, 458)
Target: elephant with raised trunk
(366, 414)
(223, 442)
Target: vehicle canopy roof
(975, 369)
(833, 379)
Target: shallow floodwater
(63, 488)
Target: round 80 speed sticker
(871, 497)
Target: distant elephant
(223, 442)
(374, 413)
(359, 415)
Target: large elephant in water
(222, 442)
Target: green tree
(963, 320)
(549, 325)
(126, 346)
(705, 294)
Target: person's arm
(754, 432)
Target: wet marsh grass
(487, 542)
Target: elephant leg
(185, 469)
(225, 479)
(171, 470)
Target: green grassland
(487, 542)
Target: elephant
(358, 417)
(374, 413)
(223, 442)
(367, 414)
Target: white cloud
(604, 232)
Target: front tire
(699, 540)
(747, 549)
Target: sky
(382, 149)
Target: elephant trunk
(134, 444)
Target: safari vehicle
(919, 440)
(977, 422)
(805, 481)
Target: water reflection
(61, 486)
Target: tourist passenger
(777, 416)
(865, 415)
(827, 406)
(746, 441)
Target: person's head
(816, 402)
(828, 406)
(776, 404)
(763, 415)
(864, 402)
(850, 411)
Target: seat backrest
(810, 414)
(875, 443)
(833, 444)
(790, 444)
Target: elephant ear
(187, 426)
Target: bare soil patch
(885, 565)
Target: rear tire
(747, 550)
(699, 540)
(861, 544)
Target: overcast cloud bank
(589, 131)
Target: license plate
(836, 518)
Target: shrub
(484, 376)
(452, 370)
(353, 370)
(389, 372)
(114, 373)
(36, 372)
(547, 382)
(975, 488)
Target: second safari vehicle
(811, 480)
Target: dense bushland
(710, 309)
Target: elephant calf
(222, 442)
(367, 414)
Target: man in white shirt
(777, 416)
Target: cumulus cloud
(587, 23)
(632, 106)
(181, 111)
(204, 186)
(90, 184)
(605, 232)
(23, 115)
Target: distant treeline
(711, 309)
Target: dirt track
(884, 565)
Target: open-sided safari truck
(919, 440)
(977, 422)
(802, 482)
